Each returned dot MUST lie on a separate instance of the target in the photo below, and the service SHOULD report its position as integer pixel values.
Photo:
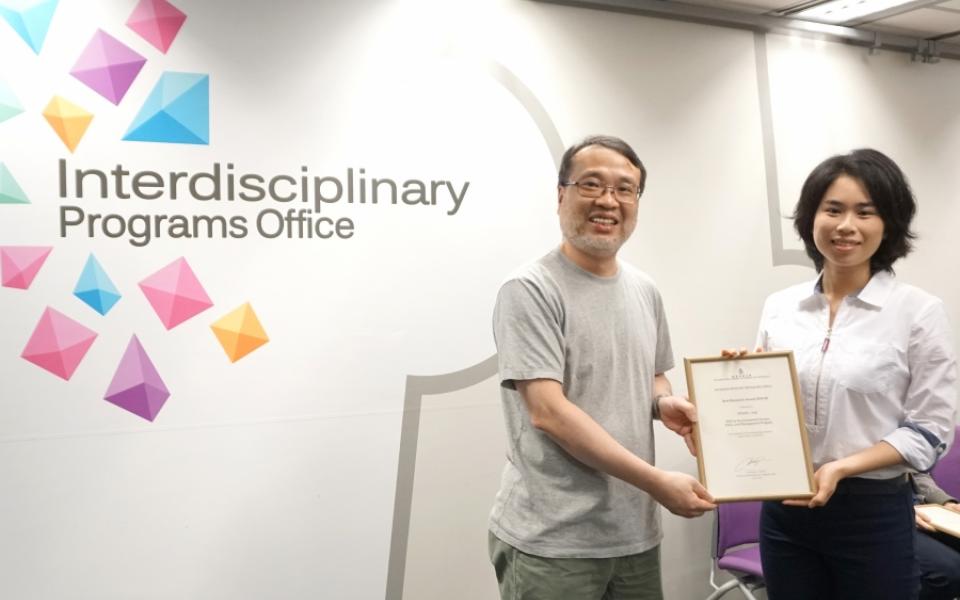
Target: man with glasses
(583, 347)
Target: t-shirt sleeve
(664, 358)
(528, 333)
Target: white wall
(276, 476)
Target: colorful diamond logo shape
(240, 332)
(58, 344)
(96, 288)
(176, 112)
(157, 21)
(30, 19)
(136, 385)
(68, 120)
(175, 293)
(10, 190)
(9, 103)
(108, 66)
(19, 265)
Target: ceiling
(928, 19)
(927, 29)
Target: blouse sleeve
(930, 405)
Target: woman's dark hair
(606, 141)
(888, 189)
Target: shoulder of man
(539, 273)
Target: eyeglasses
(594, 188)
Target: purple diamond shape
(136, 385)
(108, 66)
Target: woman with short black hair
(877, 374)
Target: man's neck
(601, 266)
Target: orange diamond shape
(68, 120)
(240, 332)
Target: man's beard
(588, 243)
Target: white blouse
(886, 370)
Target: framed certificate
(750, 431)
(942, 519)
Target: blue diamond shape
(96, 288)
(177, 111)
(31, 20)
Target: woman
(878, 377)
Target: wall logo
(175, 111)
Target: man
(938, 554)
(583, 346)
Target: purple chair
(947, 471)
(736, 548)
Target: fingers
(823, 496)
(922, 523)
(689, 411)
(704, 495)
(685, 496)
(735, 353)
(758, 349)
(691, 444)
(820, 499)
(695, 510)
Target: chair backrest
(738, 523)
(947, 471)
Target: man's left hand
(679, 415)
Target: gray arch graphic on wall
(418, 386)
(779, 254)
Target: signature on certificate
(751, 464)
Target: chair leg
(747, 593)
(723, 589)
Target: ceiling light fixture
(845, 11)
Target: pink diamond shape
(175, 293)
(58, 343)
(157, 21)
(108, 66)
(136, 385)
(20, 264)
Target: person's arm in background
(931, 493)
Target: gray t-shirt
(603, 339)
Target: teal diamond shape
(9, 104)
(177, 111)
(10, 190)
